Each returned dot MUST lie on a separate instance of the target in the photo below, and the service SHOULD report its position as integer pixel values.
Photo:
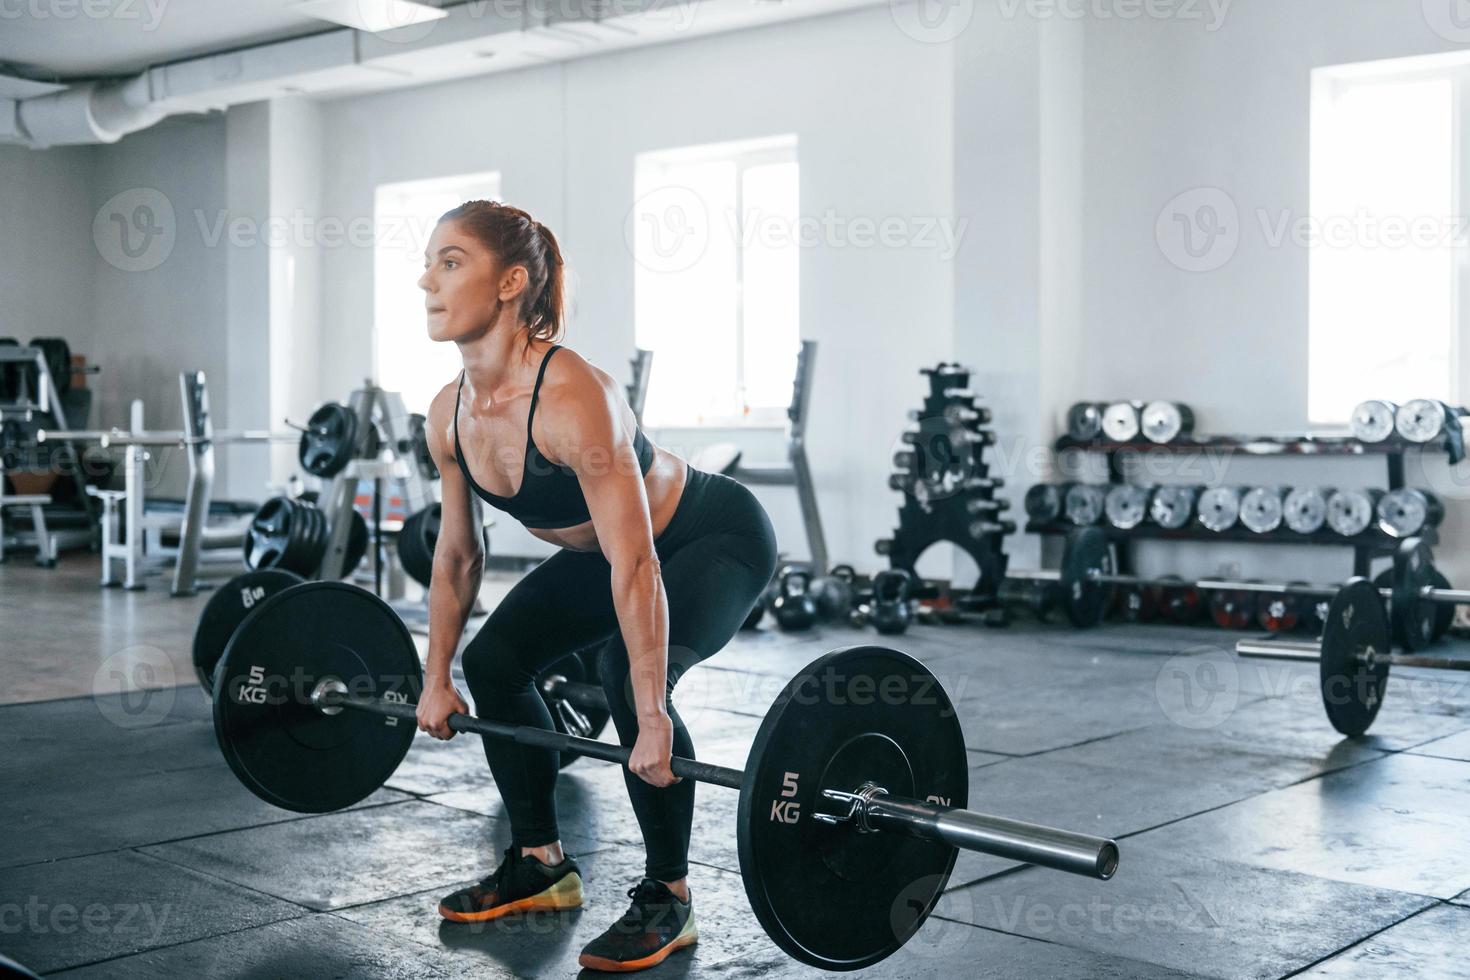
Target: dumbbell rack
(1371, 544)
(949, 494)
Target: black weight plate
(1352, 691)
(357, 545)
(227, 609)
(416, 543)
(1087, 599)
(10, 373)
(1444, 613)
(1413, 617)
(283, 749)
(269, 534)
(330, 440)
(830, 896)
(418, 437)
(58, 361)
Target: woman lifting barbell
(659, 562)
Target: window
(1385, 242)
(715, 236)
(404, 358)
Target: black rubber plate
(227, 609)
(283, 749)
(830, 896)
(1087, 599)
(1352, 691)
(1413, 617)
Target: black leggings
(717, 554)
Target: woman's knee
(491, 668)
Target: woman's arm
(584, 431)
(459, 561)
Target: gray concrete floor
(1256, 842)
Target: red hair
(516, 238)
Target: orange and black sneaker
(655, 925)
(520, 884)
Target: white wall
(45, 242)
(871, 111)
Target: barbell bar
(1086, 570)
(1354, 656)
(314, 708)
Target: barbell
(1355, 656)
(1086, 574)
(852, 801)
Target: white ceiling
(40, 39)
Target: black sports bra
(550, 496)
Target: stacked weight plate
(292, 535)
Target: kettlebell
(891, 610)
(833, 593)
(794, 607)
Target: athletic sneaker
(655, 925)
(519, 885)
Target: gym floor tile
(1450, 747)
(947, 950)
(547, 944)
(355, 856)
(1173, 908)
(115, 735)
(62, 814)
(82, 910)
(1430, 944)
(1120, 785)
(321, 945)
(1396, 822)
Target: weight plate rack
(949, 494)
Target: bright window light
(1383, 307)
(714, 232)
(406, 361)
